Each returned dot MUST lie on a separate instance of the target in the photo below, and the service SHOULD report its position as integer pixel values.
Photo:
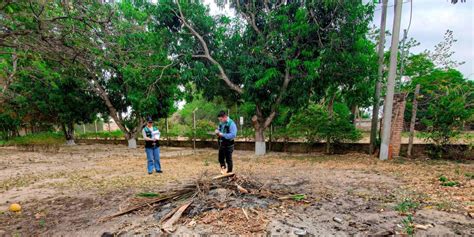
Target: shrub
(44, 138)
(203, 130)
(315, 124)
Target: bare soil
(65, 193)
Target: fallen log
(168, 226)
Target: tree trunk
(131, 140)
(68, 130)
(378, 85)
(260, 146)
(354, 111)
(413, 120)
(134, 133)
(259, 126)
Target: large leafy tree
(446, 102)
(121, 52)
(48, 93)
(269, 55)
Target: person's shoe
(159, 171)
(150, 172)
(223, 170)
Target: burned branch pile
(204, 197)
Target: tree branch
(277, 103)
(109, 105)
(207, 55)
(250, 19)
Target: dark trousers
(225, 157)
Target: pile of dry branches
(194, 198)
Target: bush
(314, 124)
(445, 105)
(203, 130)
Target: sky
(430, 20)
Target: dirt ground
(65, 193)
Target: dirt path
(65, 193)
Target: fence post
(167, 131)
(194, 130)
(413, 120)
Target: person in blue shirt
(226, 133)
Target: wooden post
(378, 86)
(413, 120)
(167, 131)
(194, 130)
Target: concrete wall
(419, 150)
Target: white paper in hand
(156, 135)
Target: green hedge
(44, 138)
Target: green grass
(148, 195)
(44, 138)
(298, 197)
(450, 184)
(469, 175)
(408, 225)
(407, 206)
(446, 182)
(443, 178)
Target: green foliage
(113, 53)
(203, 130)
(445, 182)
(148, 195)
(44, 138)
(445, 104)
(298, 197)
(315, 124)
(450, 184)
(205, 110)
(443, 178)
(469, 175)
(409, 225)
(294, 41)
(407, 206)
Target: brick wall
(397, 123)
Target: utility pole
(413, 120)
(378, 85)
(392, 74)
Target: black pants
(225, 157)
